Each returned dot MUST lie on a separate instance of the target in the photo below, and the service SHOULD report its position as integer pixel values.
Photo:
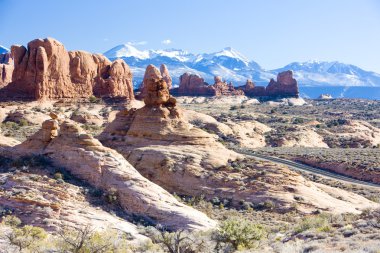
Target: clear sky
(271, 32)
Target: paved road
(303, 167)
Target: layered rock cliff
(45, 70)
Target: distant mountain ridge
(3, 50)
(233, 66)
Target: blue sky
(271, 32)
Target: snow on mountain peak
(3, 49)
(232, 53)
(126, 50)
(234, 66)
(177, 54)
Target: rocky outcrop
(285, 86)
(194, 85)
(165, 75)
(45, 70)
(224, 89)
(151, 70)
(40, 200)
(6, 69)
(68, 146)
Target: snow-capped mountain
(3, 50)
(334, 73)
(233, 66)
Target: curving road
(303, 167)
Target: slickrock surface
(249, 134)
(159, 142)
(68, 146)
(7, 141)
(353, 134)
(45, 70)
(42, 201)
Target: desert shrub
(26, 237)
(58, 176)
(23, 122)
(111, 196)
(266, 205)
(298, 121)
(319, 223)
(86, 239)
(11, 221)
(11, 125)
(93, 99)
(33, 161)
(180, 241)
(239, 233)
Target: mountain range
(3, 50)
(233, 66)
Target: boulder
(45, 70)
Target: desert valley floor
(190, 175)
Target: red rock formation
(194, 85)
(153, 72)
(250, 89)
(6, 69)
(46, 70)
(165, 75)
(285, 85)
(224, 89)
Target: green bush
(26, 237)
(23, 122)
(320, 223)
(86, 240)
(93, 99)
(11, 221)
(58, 176)
(239, 233)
